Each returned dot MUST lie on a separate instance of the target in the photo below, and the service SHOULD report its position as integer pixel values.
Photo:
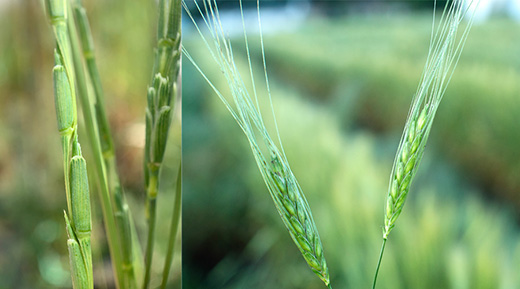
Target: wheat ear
(446, 46)
(283, 187)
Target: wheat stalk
(446, 46)
(283, 187)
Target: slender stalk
(379, 263)
(176, 216)
(91, 126)
(151, 213)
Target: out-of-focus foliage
(33, 250)
(342, 91)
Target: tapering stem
(176, 216)
(379, 263)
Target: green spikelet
(80, 196)
(63, 97)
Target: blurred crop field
(342, 87)
(33, 250)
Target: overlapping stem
(161, 98)
(283, 187)
(445, 48)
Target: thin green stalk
(379, 263)
(91, 126)
(121, 210)
(176, 216)
(151, 213)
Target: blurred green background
(342, 86)
(33, 252)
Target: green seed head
(288, 205)
(411, 164)
(151, 99)
(421, 122)
(77, 266)
(56, 9)
(411, 131)
(389, 205)
(301, 212)
(405, 151)
(304, 244)
(296, 225)
(62, 97)
(406, 183)
(415, 144)
(312, 261)
(80, 197)
(399, 172)
(393, 189)
(161, 134)
(164, 92)
(157, 81)
(318, 247)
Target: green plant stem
(176, 216)
(151, 212)
(379, 262)
(91, 126)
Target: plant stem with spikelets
(78, 222)
(445, 49)
(160, 100)
(77, 74)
